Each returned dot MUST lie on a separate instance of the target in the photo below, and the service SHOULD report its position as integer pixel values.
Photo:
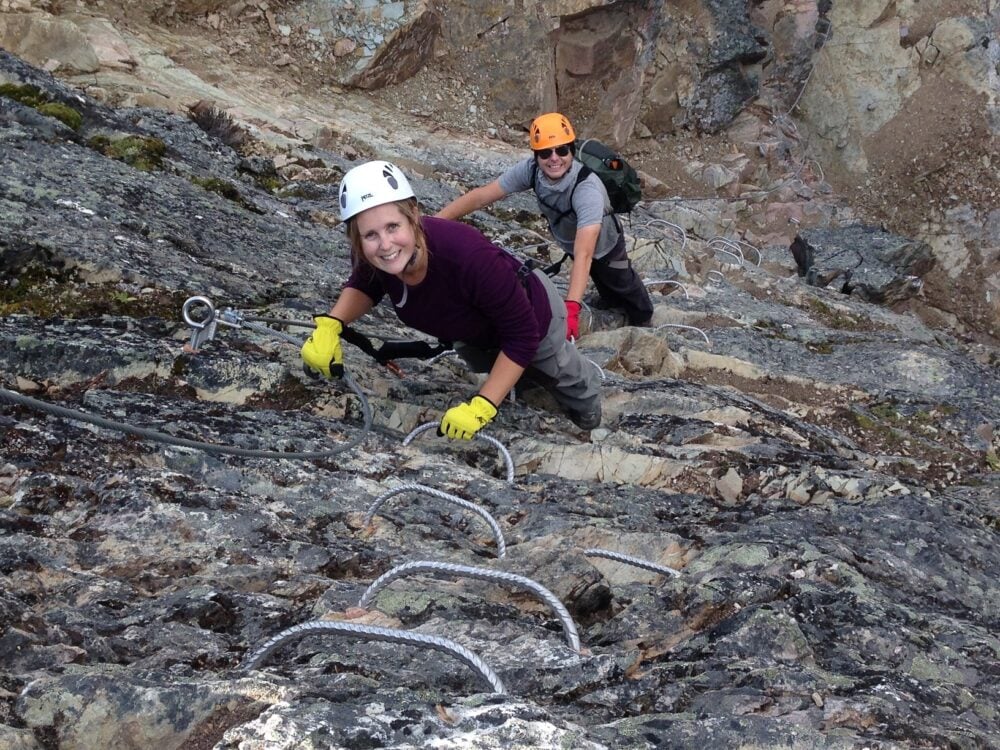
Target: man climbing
(579, 215)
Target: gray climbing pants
(558, 365)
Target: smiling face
(554, 166)
(388, 241)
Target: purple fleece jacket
(471, 293)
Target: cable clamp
(204, 324)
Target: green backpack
(619, 178)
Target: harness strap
(556, 267)
(390, 350)
(528, 267)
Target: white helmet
(372, 184)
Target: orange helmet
(550, 130)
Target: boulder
(864, 261)
(50, 43)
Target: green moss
(885, 411)
(122, 297)
(830, 317)
(993, 461)
(99, 143)
(865, 422)
(819, 306)
(221, 187)
(66, 115)
(44, 292)
(889, 437)
(30, 96)
(141, 152)
(301, 190)
(401, 603)
(227, 190)
(271, 183)
(33, 282)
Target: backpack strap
(584, 172)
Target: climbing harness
(508, 461)
(375, 633)
(482, 574)
(454, 499)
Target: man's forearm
(473, 200)
(583, 254)
(579, 276)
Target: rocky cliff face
(892, 105)
(817, 462)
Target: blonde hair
(411, 211)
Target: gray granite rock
(818, 473)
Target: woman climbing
(446, 279)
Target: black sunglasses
(545, 153)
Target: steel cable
(634, 561)
(508, 461)
(685, 328)
(162, 437)
(279, 321)
(375, 633)
(680, 230)
(484, 574)
(412, 487)
(657, 282)
(733, 248)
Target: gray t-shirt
(590, 203)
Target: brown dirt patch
(882, 431)
(775, 392)
(935, 154)
(928, 15)
(667, 160)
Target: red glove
(572, 319)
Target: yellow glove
(465, 420)
(322, 353)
